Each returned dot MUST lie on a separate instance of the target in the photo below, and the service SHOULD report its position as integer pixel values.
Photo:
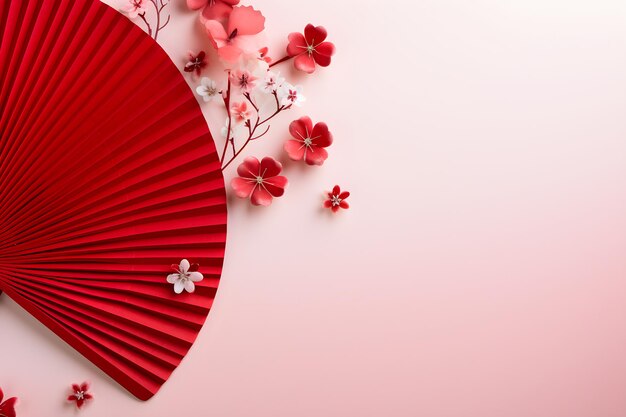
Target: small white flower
(290, 95)
(184, 279)
(272, 82)
(208, 89)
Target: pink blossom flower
(310, 48)
(80, 394)
(196, 63)
(336, 199)
(213, 9)
(243, 79)
(237, 35)
(134, 8)
(7, 408)
(240, 111)
(259, 181)
(273, 81)
(308, 141)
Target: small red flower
(263, 55)
(310, 48)
(7, 408)
(196, 63)
(336, 199)
(80, 394)
(308, 141)
(259, 180)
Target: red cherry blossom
(336, 199)
(80, 394)
(213, 9)
(7, 408)
(196, 63)
(308, 141)
(259, 181)
(310, 49)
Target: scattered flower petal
(80, 394)
(185, 277)
(259, 181)
(336, 199)
(310, 49)
(308, 141)
(196, 62)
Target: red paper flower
(7, 408)
(80, 394)
(310, 48)
(259, 180)
(234, 38)
(336, 199)
(308, 141)
(196, 63)
(213, 9)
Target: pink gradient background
(482, 269)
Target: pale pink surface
(481, 268)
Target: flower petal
(261, 197)
(243, 187)
(321, 60)
(216, 32)
(314, 35)
(196, 4)
(305, 63)
(76, 387)
(190, 286)
(246, 21)
(301, 128)
(196, 276)
(184, 266)
(322, 136)
(218, 11)
(171, 278)
(336, 190)
(229, 53)
(344, 195)
(270, 167)
(249, 168)
(315, 156)
(276, 185)
(295, 149)
(325, 48)
(297, 44)
(179, 286)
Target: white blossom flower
(185, 276)
(290, 95)
(272, 82)
(208, 90)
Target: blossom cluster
(253, 92)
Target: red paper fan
(108, 176)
